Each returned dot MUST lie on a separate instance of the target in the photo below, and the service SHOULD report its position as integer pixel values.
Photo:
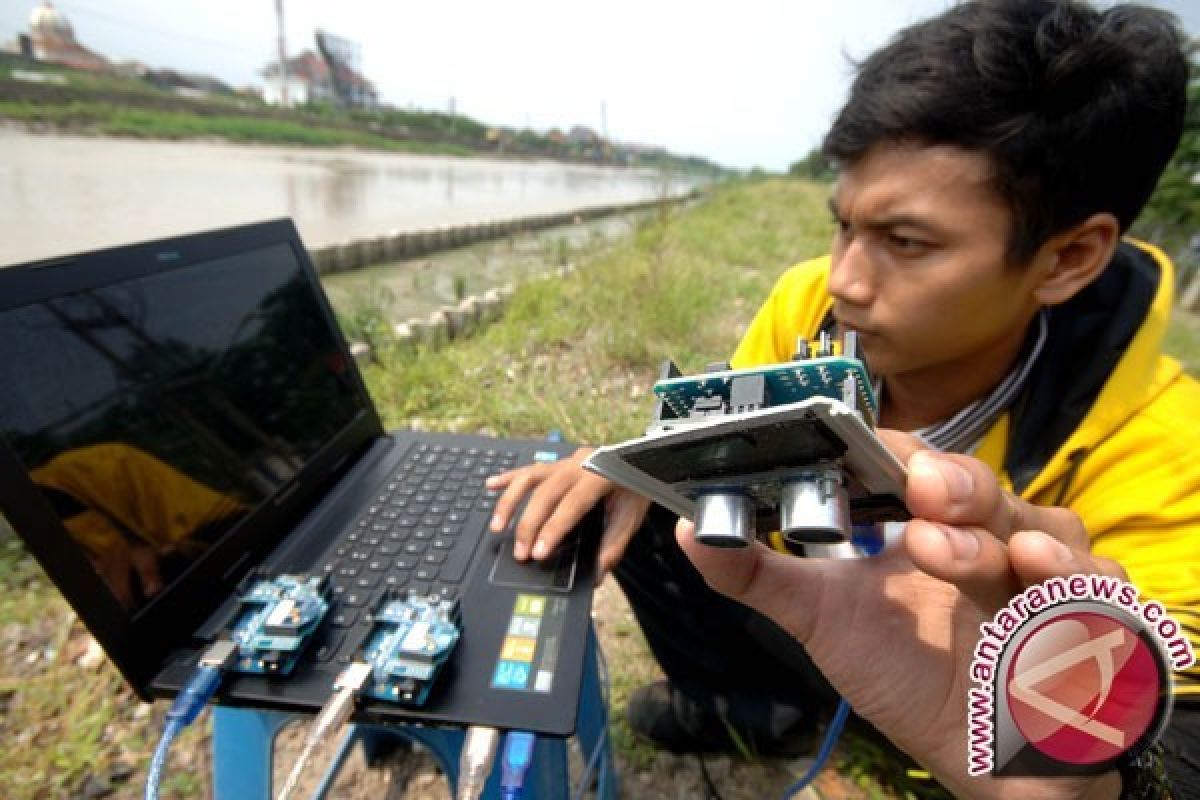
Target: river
(65, 194)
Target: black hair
(1077, 110)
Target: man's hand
(895, 633)
(560, 495)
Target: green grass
(117, 120)
(1183, 340)
(577, 354)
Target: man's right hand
(560, 495)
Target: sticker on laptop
(528, 654)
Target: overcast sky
(746, 83)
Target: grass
(115, 120)
(577, 354)
(1183, 340)
(574, 354)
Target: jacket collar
(1099, 366)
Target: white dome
(46, 19)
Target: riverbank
(55, 97)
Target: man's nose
(850, 275)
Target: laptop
(179, 416)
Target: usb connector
(333, 715)
(514, 763)
(475, 763)
(219, 654)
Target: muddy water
(63, 194)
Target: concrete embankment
(400, 245)
(475, 311)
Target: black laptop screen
(156, 413)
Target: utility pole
(605, 149)
(283, 71)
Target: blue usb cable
(200, 688)
(514, 763)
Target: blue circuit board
(276, 619)
(786, 383)
(410, 642)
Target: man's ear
(1068, 262)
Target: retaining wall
(475, 311)
(1189, 298)
(400, 245)
(454, 322)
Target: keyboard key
(333, 640)
(345, 617)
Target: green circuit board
(786, 383)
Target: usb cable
(514, 764)
(198, 690)
(332, 717)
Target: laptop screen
(156, 413)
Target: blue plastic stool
(243, 749)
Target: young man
(990, 160)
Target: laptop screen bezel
(140, 643)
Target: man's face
(918, 262)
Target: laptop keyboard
(411, 537)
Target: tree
(1172, 215)
(814, 167)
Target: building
(52, 40)
(328, 75)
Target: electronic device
(177, 414)
(783, 447)
(276, 620)
(412, 638)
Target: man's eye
(907, 244)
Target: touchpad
(555, 574)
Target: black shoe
(674, 722)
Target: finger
(902, 444)
(971, 558)
(960, 490)
(557, 507)
(519, 483)
(145, 564)
(502, 479)
(785, 588)
(1037, 556)
(625, 513)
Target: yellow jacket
(1127, 459)
(125, 492)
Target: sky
(745, 84)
